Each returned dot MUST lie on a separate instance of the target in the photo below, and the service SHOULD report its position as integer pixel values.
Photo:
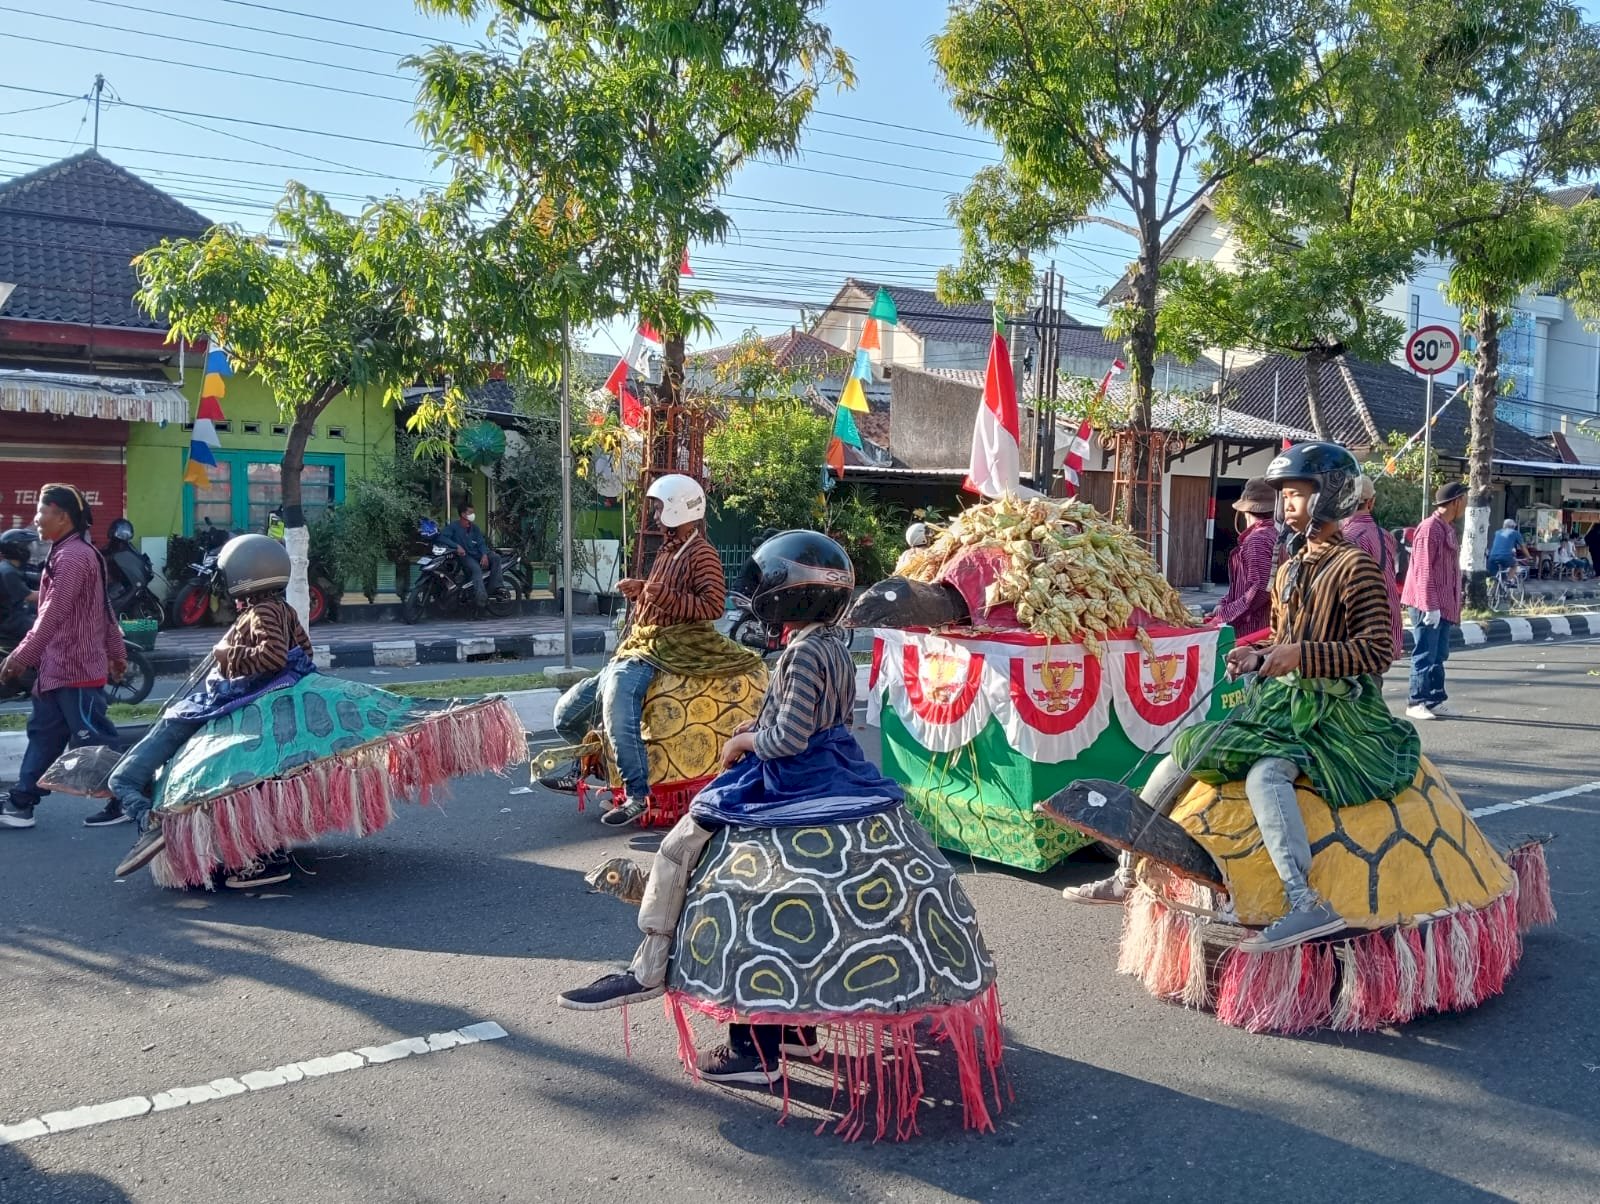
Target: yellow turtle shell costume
(1435, 913)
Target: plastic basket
(141, 633)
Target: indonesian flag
(646, 342)
(1071, 471)
(617, 386)
(996, 459)
(1117, 369)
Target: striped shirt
(813, 688)
(1247, 606)
(260, 639)
(1363, 531)
(74, 637)
(685, 585)
(1433, 581)
(1330, 599)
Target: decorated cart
(979, 727)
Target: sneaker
(627, 813)
(564, 778)
(1443, 710)
(722, 1065)
(1298, 926)
(1418, 713)
(1108, 890)
(110, 814)
(145, 850)
(612, 991)
(14, 815)
(801, 1042)
(269, 871)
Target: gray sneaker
(13, 815)
(1108, 890)
(626, 813)
(1302, 924)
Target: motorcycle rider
(265, 649)
(16, 611)
(74, 644)
(686, 589)
(475, 553)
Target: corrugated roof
(68, 232)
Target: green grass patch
(139, 712)
(463, 687)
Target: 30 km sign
(1433, 349)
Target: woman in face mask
(1247, 606)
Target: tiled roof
(1576, 195)
(68, 232)
(793, 349)
(923, 314)
(1363, 402)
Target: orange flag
(869, 337)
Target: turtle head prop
(619, 877)
(899, 602)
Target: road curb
(401, 653)
(1533, 629)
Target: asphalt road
(475, 911)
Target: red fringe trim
(1357, 984)
(354, 791)
(1535, 907)
(874, 1058)
(669, 801)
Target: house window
(1517, 344)
(279, 429)
(245, 487)
(336, 432)
(1416, 310)
(220, 427)
(252, 428)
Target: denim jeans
(475, 575)
(61, 719)
(1270, 788)
(614, 698)
(132, 779)
(1430, 649)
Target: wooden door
(1186, 532)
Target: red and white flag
(996, 437)
(1077, 451)
(1117, 369)
(646, 342)
(617, 385)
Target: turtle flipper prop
(899, 602)
(1109, 811)
(619, 877)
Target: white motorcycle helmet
(917, 535)
(682, 500)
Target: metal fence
(733, 558)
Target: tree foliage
(764, 462)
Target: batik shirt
(813, 688)
(1330, 598)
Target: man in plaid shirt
(1433, 595)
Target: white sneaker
(1418, 713)
(1443, 710)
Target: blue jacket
(469, 539)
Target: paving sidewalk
(385, 642)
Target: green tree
(617, 124)
(1101, 103)
(764, 462)
(331, 304)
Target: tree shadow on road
(21, 1182)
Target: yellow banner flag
(854, 397)
(195, 475)
(213, 386)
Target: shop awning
(70, 396)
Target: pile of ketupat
(1073, 574)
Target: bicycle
(1506, 590)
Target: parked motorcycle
(741, 626)
(204, 596)
(130, 575)
(135, 685)
(443, 585)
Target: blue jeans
(1270, 788)
(614, 698)
(1430, 650)
(135, 774)
(61, 719)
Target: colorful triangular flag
(844, 435)
(195, 474)
(883, 307)
(683, 268)
(854, 397)
(214, 386)
(201, 452)
(869, 336)
(210, 410)
(217, 361)
(205, 431)
(863, 367)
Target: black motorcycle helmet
(253, 564)
(798, 577)
(16, 545)
(1331, 468)
(122, 529)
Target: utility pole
(566, 493)
(99, 88)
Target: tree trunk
(1316, 360)
(296, 538)
(1480, 457)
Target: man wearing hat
(75, 645)
(1247, 606)
(1433, 594)
(1362, 529)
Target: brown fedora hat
(1258, 497)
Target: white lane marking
(255, 1080)
(1586, 788)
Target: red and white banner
(1077, 451)
(1053, 700)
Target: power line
(220, 24)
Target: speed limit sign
(1433, 349)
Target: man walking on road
(1433, 594)
(1362, 530)
(75, 644)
